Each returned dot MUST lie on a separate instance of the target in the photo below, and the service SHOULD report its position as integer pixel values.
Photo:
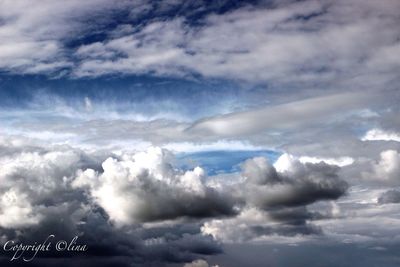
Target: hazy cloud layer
(390, 196)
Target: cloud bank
(140, 200)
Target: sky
(201, 133)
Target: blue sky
(217, 162)
(199, 133)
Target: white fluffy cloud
(16, 211)
(35, 180)
(289, 43)
(199, 263)
(376, 171)
(388, 166)
(341, 162)
(292, 43)
(145, 187)
(381, 135)
(33, 35)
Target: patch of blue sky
(103, 25)
(222, 161)
(144, 95)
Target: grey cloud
(276, 199)
(291, 222)
(390, 196)
(123, 188)
(286, 230)
(37, 200)
(255, 225)
(59, 181)
(108, 245)
(382, 169)
(253, 212)
(35, 182)
(296, 185)
(289, 115)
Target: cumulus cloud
(34, 180)
(145, 187)
(16, 211)
(164, 214)
(37, 198)
(290, 182)
(254, 225)
(387, 169)
(199, 263)
(276, 198)
(142, 187)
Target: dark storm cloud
(289, 222)
(296, 185)
(37, 200)
(108, 245)
(276, 199)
